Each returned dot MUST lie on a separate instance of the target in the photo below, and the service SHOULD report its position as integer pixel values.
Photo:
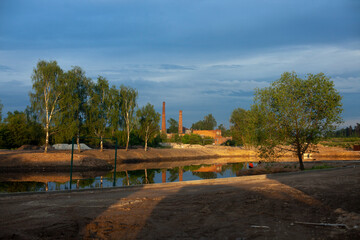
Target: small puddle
(37, 182)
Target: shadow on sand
(266, 209)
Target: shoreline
(92, 160)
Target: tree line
(68, 104)
(292, 114)
(208, 123)
(350, 131)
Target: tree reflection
(174, 174)
(22, 186)
(205, 175)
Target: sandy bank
(89, 160)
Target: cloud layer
(199, 56)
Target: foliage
(173, 126)
(242, 127)
(29, 186)
(229, 143)
(224, 132)
(207, 140)
(49, 90)
(98, 108)
(323, 166)
(18, 129)
(192, 139)
(115, 118)
(71, 120)
(128, 98)
(209, 123)
(149, 123)
(176, 138)
(205, 175)
(156, 141)
(295, 113)
(70, 104)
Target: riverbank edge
(90, 160)
(169, 184)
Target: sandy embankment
(59, 160)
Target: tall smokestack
(180, 122)
(163, 124)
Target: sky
(201, 57)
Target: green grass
(324, 166)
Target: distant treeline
(351, 131)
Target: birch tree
(115, 118)
(128, 98)
(149, 122)
(98, 109)
(72, 119)
(48, 90)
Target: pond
(41, 182)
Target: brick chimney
(180, 123)
(163, 124)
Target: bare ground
(273, 206)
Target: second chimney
(180, 123)
(163, 124)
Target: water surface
(41, 182)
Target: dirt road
(252, 207)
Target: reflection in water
(126, 178)
(22, 187)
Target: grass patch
(323, 166)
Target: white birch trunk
(47, 138)
(128, 130)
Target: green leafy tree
(115, 118)
(173, 126)
(71, 120)
(176, 138)
(222, 128)
(192, 139)
(18, 130)
(295, 113)
(224, 132)
(128, 98)
(35, 129)
(242, 127)
(98, 109)
(149, 123)
(209, 123)
(48, 91)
